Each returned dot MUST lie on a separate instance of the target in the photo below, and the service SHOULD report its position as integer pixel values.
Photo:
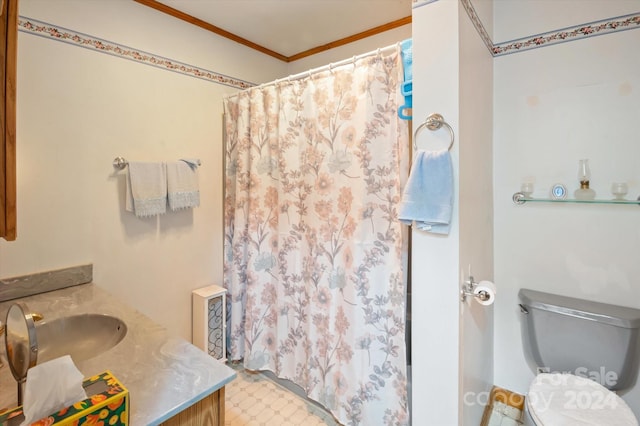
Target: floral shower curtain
(313, 247)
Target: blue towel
(428, 194)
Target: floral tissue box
(107, 405)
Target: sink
(81, 336)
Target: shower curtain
(313, 248)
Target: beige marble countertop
(164, 374)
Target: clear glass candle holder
(527, 189)
(619, 190)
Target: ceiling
(290, 27)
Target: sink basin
(81, 336)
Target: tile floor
(254, 400)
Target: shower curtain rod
(330, 66)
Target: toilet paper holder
(468, 289)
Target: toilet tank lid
(620, 316)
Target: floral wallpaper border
(576, 32)
(477, 23)
(54, 32)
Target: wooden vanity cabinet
(208, 411)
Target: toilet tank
(590, 339)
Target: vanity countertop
(164, 374)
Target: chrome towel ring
(433, 122)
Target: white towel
(182, 184)
(146, 189)
(428, 194)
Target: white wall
(78, 109)
(476, 216)
(435, 263)
(452, 343)
(553, 106)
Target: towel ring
(433, 122)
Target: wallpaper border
(477, 23)
(573, 33)
(65, 35)
(576, 32)
(550, 38)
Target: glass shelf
(520, 198)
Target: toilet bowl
(587, 350)
(570, 400)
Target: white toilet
(585, 352)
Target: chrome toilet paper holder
(468, 288)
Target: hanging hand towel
(428, 194)
(182, 184)
(146, 189)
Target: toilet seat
(567, 400)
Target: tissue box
(107, 404)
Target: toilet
(584, 352)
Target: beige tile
(246, 403)
(278, 404)
(276, 420)
(256, 408)
(241, 420)
(266, 392)
(265, 415)
(236, 399)
(302, 417)
(254, 400)
(289, 410)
